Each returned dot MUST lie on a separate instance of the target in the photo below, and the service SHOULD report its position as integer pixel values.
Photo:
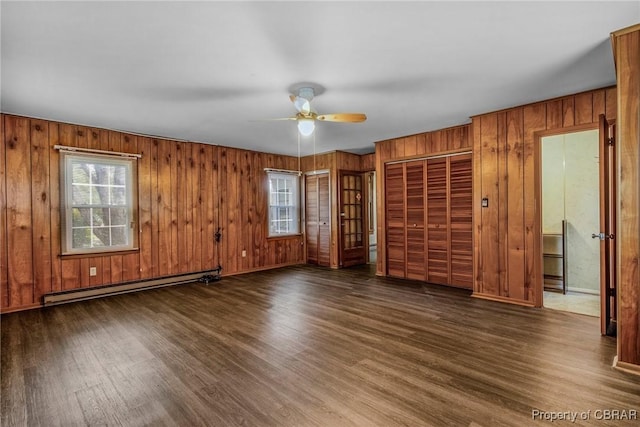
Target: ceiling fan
(306, 116)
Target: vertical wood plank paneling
(478, 266)
(490, 241)
(182, 209)
(627, 54)
(96, 263)
(514, 222)
(233, 210)
(174, 209)
(410, 146)
(503, 203)
(554, 114)
(145, 240)
(4, 261)
(246, 210)
(85, 278)
(19, 218)
(583, 108)
(70, 274)
(611, 104)
(54, 206)
(599, 105)
(210, 192)
(534, 121)
(156, 206)
(163, 188)
(568, 112)
(196, 206)
(40, 207)
(368, 161)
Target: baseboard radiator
(74, 295)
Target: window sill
(285, 237)
(98, 254)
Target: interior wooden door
(317, 219)
(438, 262)
(460, 220)
(415, 205)
(352, 239)
(607, 228)
(395, 219)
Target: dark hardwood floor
(305, 346)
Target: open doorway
(372, 217)
(570, 174)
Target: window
(284, 203)
(98, 203)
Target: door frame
(539, 267)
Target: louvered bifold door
(415, 211)
(324, 220)
(311, 218)
(460, 207)
(437, 221)
(395, 219)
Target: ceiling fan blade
(277, 119)
(343, 117)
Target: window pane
(119, 216)
(100, 217)
(81, 194)
(81, 217)
(81, 238)
(118, 236)
(118, 196)
(101, 237)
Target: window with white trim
(99, 203)
(284, 203)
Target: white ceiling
(212, 71)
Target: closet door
(437, 221)
(324, 220)
(460, 206)
(395, 219)
(414, 225)
(317, 219)
(311, 218)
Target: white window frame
(283, 196)
(67, 160)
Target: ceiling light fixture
(306, 126)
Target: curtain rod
(90, 150)
(283, 171)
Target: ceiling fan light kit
(306, 126)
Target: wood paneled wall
(186, 191)
(627, 57)
(444, 141)
(334, 161)
(506, 234)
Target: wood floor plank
(304, 346)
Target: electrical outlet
(244, 253)
(92, 271)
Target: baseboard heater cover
(74, 295)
